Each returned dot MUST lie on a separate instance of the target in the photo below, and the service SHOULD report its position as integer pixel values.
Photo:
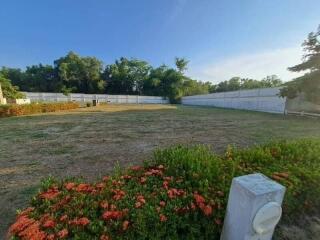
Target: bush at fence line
(180, 194)
(88, 104)
(18, 110)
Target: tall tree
(309, 83)
(181, 64)
(41, 78)
(126, 76)
(80, 74)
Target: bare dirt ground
(89, 142)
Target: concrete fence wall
(79, 97)
(263, 99)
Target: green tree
(126, 76)
(193, 87)
(9, 91)
(154, 83)
(309, 83)
(80, 74)
(41, 78)
(181, 64)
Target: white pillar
(254, 208)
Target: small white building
(20, 101)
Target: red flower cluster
(80, 221)
(113, 215)
(200, 201)
(163, 218)
(126, 177)
(104, 204)
(173, 193)
(140, 201)
(84, 188)
(69, 186)
(26, 228)
(49, 224)
(63, 233)
(153, 172)
(50, 194)
(118, 194)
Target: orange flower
(63, 233)
(100, 186)
(114, 215)
(119, 194)
(141, 199)
(26, 211)
(138, 204)
(153, 172)
(113, 207)
(163, 218)
(198, 198)
(83, 187)
(104, 204)
(21, 223)
(49, 224)
(193, 206)
(165, 185)
(80, 222)
(143, 180)
(173, 192)
(33, 232)
(63, 218)
(69, 186)
(106, 178)
(126, 177)
(207, 210)
(50, 194)
(125, 225)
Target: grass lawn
(88, 142)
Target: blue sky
(225, 38)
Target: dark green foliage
(80, 74)
(309, 83)
(8, 90)
(126, 76)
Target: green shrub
(33, 108)
(180, 194)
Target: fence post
(254, 208)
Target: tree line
(74, 73)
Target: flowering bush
(33, 108)
(180, 194)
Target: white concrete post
(254, 208)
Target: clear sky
(221, 38)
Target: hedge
(180, 194)
(34, 108)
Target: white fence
(79, 97)
(263, 99)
